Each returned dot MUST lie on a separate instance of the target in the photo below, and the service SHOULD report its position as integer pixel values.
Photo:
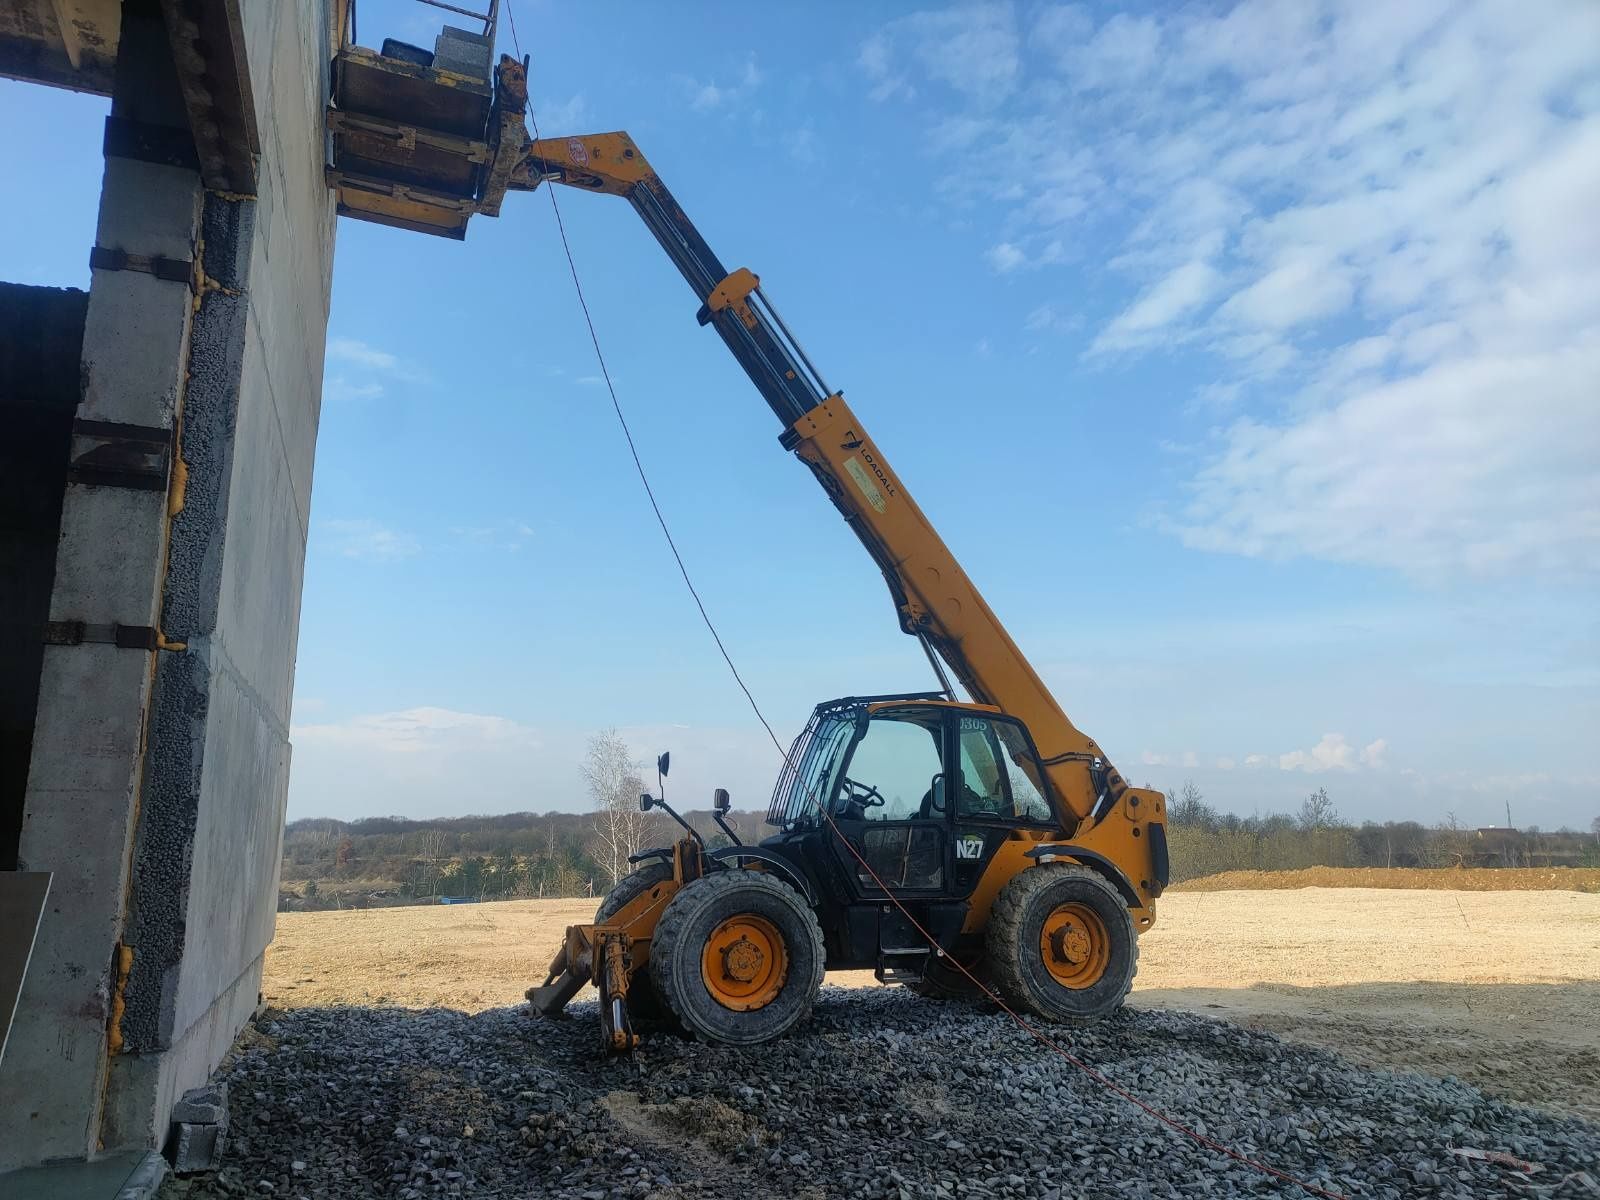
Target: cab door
(888, 799)
(998, 785)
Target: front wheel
(738, 957)
(1062, 944)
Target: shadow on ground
(1535, 1043)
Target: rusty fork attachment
(598, 953)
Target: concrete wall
(159, 779)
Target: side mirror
(719, 800)
(663, 762)
(646, 801)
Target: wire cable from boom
(633, 449)
(661, 520)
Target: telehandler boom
(953, 846)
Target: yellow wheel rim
(1075, 946)
(744, 963)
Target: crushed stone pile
(883, 1094)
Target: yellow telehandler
(952, 846)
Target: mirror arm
(723, 825)
(687, 828)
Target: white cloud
(1372, 753)
(876, 60)
(502, 535)
(1301, 287)
(365, 367)
(1005, 257)
(709, 95)
(1176, 294)
(369, 540)
(1378, 220)
(435, 761)
(350, 350)
(1225, 763)
(413, 731)
(339, 389)
(1484, 464)
(557, 118)
(974, 49)
(1151, 759)
(1332, 753)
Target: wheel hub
(1070, 944)
(745, 963)
(742, 961)
(1074, 945)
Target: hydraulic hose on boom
(935, 599)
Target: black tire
(687, 925)
(644, 1002)
(941, 980)
(1015, 926)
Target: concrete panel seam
(302, 518)
(219, 658)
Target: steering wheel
(859, 797)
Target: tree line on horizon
(380, 861)
(1206, 841)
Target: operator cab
(924, 790)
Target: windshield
(807, 774)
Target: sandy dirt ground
(1496, 988)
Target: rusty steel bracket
(124, 637)
(174, 270)
(116, 454)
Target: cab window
(1000, 777)
(894, 773)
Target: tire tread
(1006, 951)
(664, 943)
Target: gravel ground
(881, 1095)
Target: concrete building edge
(143, 1088)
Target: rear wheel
(1062, 943)
(942, 980)
(738, 957)
(644, 1002)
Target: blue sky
(1247, 356)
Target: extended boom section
(1006, 837)
(935, 598)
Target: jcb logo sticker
(969, 847)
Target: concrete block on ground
(206, 1105)
(199, 1129)
(197, 1148)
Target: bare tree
(614, 787)
(1189, 807)
(1594, 828)
(1317, 811)
(432, 852)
